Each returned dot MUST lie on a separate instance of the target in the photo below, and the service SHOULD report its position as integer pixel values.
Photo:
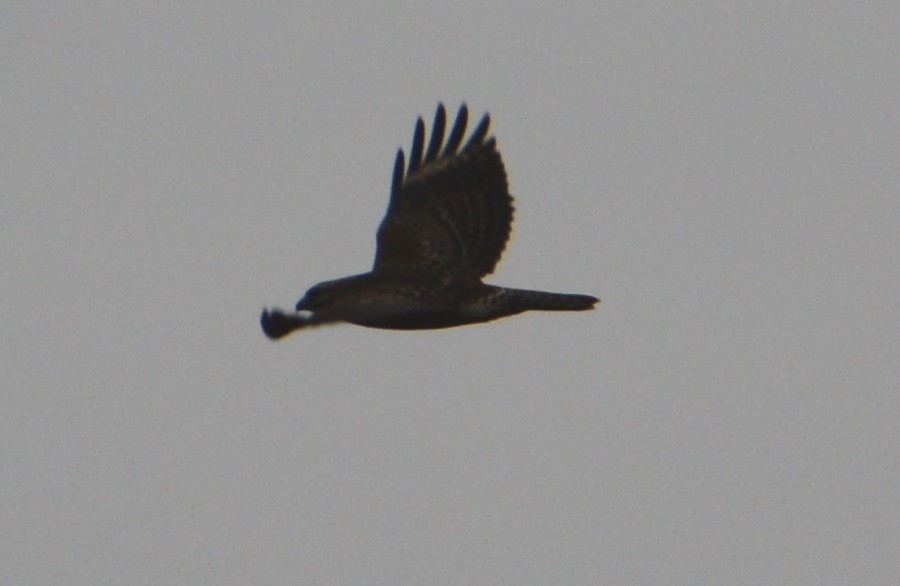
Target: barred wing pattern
(450, 213)
(446, 226)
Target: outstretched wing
(450, 213)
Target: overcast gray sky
(723, 175)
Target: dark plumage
(447, 224)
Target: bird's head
(329, 294)
(318, 297)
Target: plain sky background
(724, 175)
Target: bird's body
(446, 226)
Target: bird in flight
(447, 222)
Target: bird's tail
(547, 301)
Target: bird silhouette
(447, 223)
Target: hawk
(447, 223)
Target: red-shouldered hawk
(446, 226)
